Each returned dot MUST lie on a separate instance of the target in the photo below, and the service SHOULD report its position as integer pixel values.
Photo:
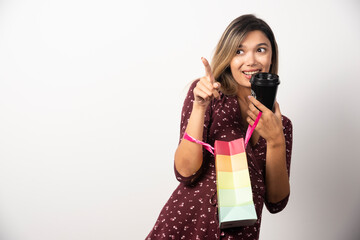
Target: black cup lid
(265, 79)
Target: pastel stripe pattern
(234, 180)
(234, 192)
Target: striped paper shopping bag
(234, 193)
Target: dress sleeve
(185, 115)
(288, 132)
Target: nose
(250, 59)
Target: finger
(211, 87)
(253, 109)
(208, 71)
(207, 83)
(201, 86)
(250, 121)
(277, 110)
(217, 85)
(257, 104)
(251, 115)
(216, 94)
(201, 96)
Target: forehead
(254, 38)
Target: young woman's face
(252, 56)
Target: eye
(262, 50)
(239, 51)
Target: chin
(244, 84)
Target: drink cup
(264, 87)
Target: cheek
(235, 64)
(266, 61)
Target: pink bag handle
(208, 147)
(251, 129)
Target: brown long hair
(228, 44)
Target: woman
(219, 106)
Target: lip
(249, 70)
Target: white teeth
(251, 73)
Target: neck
(243, 94)
(244, 101)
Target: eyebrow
(258, 45)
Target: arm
(277, 179)
(270, 127)
(280, 205)
(188, 155)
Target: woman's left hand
(270, 124)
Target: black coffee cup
(264, 87)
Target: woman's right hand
(206, 89)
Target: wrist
(199, 106)
(276, 142)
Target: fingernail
(249, 96)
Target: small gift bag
(234, 192)
(235, 199)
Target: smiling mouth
(248, 74)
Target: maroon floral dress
(191, 212)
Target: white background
(90, 100)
